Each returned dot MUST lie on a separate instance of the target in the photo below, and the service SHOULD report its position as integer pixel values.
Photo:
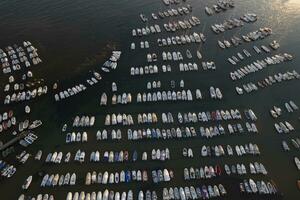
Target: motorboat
(27, 183)
(35, 124)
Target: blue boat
(135, 155)
(154, 134)
(128, 176)
(105, 157)
(116, 157)
(154, 176)
(2, 164)
(204, 192)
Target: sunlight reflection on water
(282, 16)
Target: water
(74, 37)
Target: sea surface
(75, 37)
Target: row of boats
(295, 142)
(186, 132)
(56, 157)
(112, 62)
(38, 197)
(217, 115)
(252, 36)
(7, 170)
(187, 67)
(143, 45)
(153, 85)
(122, 119)
(16, 55)
(77, 89)
(73, 137)
(126, 176)
(259, 187)
(6, 120)
(215, 93)
(208, 172)
(284, 127)
(156, 133)
(23, 156)
(259, 65)
(151, 69)
(189, 23)
(187, 152)
(236, 59)
(190, 192)
(26, 125)
(58, 180)
(124, 98)
(184, 95)
(105, 195)
(233, 23)
(124, 156)
(240, 150)
(181, 39)
(170, 2)
(108, 156)
(144, 31)
(175, 56)
(25, 95)
(29, 139)
(290, 107)
(115, 156)
(109, 135)
(172, 12)
(20, 86)
(222, 5)
(84, 121)
(217, 130)
(7, 124)
(270, 80)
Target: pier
(14, 140)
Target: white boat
(27, 183)
(35, 124)
(221, 44)
(88, 178)
(218, 93)
(297, 162)
(103, 101)
(188, 54)
(199, 55)
(212, 92)
(27, 109)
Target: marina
(160, 100)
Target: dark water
(74, 37)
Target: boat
(103, 101)
(27, 183)
(38, 155)
(253, 186)
(27, 109)
(199, 55)
(35, 124)
(297, 162)
(143, 17)
(188, 54)
(221, 44)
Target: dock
(14, 140)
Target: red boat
(218, 170)
(10, 113)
